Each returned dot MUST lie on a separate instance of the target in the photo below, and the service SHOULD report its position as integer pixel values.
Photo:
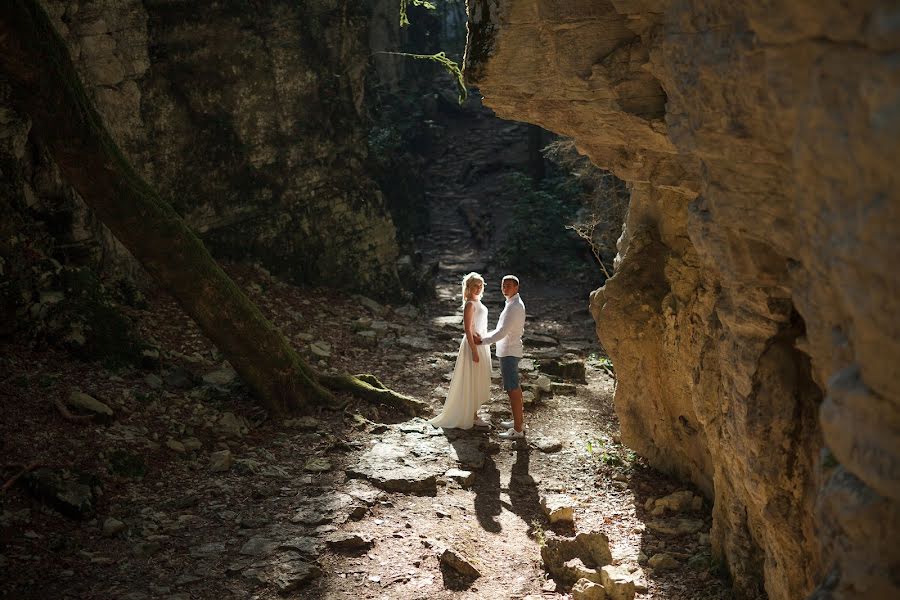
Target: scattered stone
(366, 338)
(153, 381)
(411, 342)
(358, 512)
(547, 444)
(571, 370)
(564, 389)
(372, 306)
(305, 337)
(222, 378)
(231, 425)
(175, 445)
(113, 527)
(585, 589)
(286, 573)
(703, 538)
(362, 491)
(663, 562)
(348, 542)
(317, 465)
(210, 549)
(304, 423)
(579, 571)
(558, 508)
(252, 521)
(618, 581)
(179, 377)
(308, 516)
(528, 398)
(320, 349)
(453, 560)
(305, 545)
(385, 466)
(539, 341)
(191, 444)
(675, 526)
(674, 502)
(591, 548)
(464, 478)
(89, 403)
(220, 461)
(72, 494)
(408, 311)
(259, 545)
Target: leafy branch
(449, 65)
(404, 18)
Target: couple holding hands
(470, 386)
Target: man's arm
(504, 324)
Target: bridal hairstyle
(468, 283)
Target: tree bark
(43, 83)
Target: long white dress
(470, 386)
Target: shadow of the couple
(523, 494)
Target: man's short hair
(511, 278)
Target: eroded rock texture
(753, 315)
(249, 119)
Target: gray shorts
(509, 369)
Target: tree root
(67, 415)
(368, 387)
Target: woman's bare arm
(469, 324)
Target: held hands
(477, 338)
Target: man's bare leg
(515, 401)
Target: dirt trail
(204, 497)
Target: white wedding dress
(471, 383)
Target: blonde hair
(469, 282)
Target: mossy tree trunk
(37, 73)
(44, 84)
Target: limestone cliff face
(752, 318)
(248, 118)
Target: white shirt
(510, 328)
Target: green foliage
(540, 536)
(448, 65)
(404, 6)
(536, 240)
(601, 450)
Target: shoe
(507, 424)
(512, 434)
(479, 422)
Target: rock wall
(250, 120)
(752, 317)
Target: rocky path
(181, 488)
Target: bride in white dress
(471, 383)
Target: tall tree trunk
(44, 84)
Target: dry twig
(12, 481)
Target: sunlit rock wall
(250, 119)
(753, 316)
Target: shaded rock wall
(249, 119)
(752, 318)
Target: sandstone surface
(752, 315)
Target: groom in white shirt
(508, 336)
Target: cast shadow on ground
(523, 493)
